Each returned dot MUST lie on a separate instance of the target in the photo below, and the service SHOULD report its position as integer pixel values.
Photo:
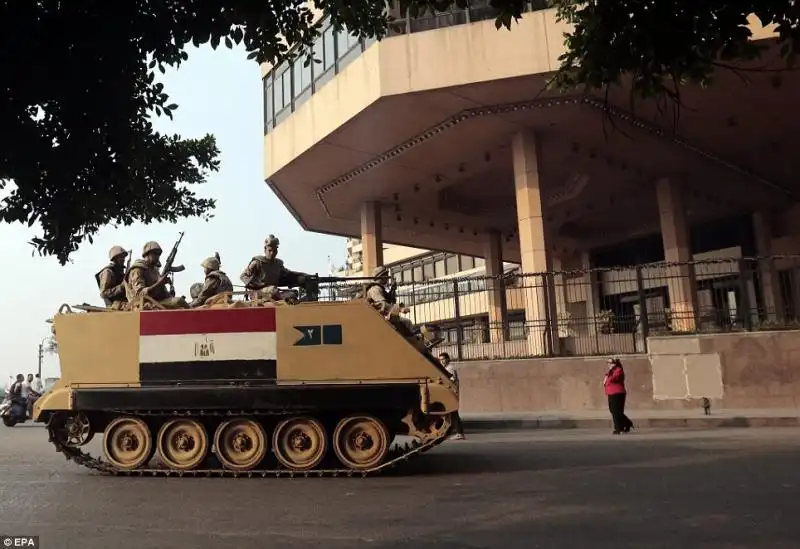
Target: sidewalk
(642, 419)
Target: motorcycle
(13, 411)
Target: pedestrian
(614, 385)
(444, 358)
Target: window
(328, 46)
(346, 42)
(427, 271)
(287, 88)
(280, 100)
(268, 111)
(406, 275)
(439, 268)
(480, 262)
(302, 75)
(467, 262)
(451, 264)
(418, 274)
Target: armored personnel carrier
(244, 389)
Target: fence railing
(599, 311)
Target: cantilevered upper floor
(421, 126)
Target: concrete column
(533, 242)
(371, 237)
(498, 309)
(767, 273)
(677, 249)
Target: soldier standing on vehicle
(377, 295)
(144, 279)
(111, 279)
(266, 272)
(216, 282)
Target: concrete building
(441, 137)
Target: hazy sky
(217, 92)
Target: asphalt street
(731, 488)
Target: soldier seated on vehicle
(144, 279)
(386, 304)
(265, 273)
(111, 279)
(216, 283)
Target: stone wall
(739, 370)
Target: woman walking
(614, 384)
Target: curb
(646, 423)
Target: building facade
(441, 137)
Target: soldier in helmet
(111, 279)
(265, 272)
(377, 294)
(143, 278)
(216, 282)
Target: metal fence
(599, 311)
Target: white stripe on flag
(202, 347)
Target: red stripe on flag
(207, 321)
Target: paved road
(567, 489)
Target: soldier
(111, 279)
(377, 295)
(216, 282)
(143, 279)
(265, 272)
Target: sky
(218, 92)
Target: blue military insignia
(328, 334)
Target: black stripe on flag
(256, 371)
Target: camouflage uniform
(216, 282)
(377, 295)
(111, 279)
(264, 274)
(143, 275)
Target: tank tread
(397, 454)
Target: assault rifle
(169, 268)
(128, 263)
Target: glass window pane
(329, 43)
(287, 88)
(439, 267)
(427, 271)
(302, 75)
(417, 274)
(452, 264)
(268, 112)
(480, 262)
(467, 262)
(406, 276)
(278, 93)
(319, 55)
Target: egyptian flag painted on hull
(205, 345)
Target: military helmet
(380, 271)
(151, 247)
(210, 263)
(272, 241)
(115, 251)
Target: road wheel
(240, 444)
(127, 443)
(9, 421)
(182, 443)
(361, 442)
(300, 443)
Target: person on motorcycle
(15, 392)
(33, 394)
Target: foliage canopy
(79, 90)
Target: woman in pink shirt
(614, 385)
